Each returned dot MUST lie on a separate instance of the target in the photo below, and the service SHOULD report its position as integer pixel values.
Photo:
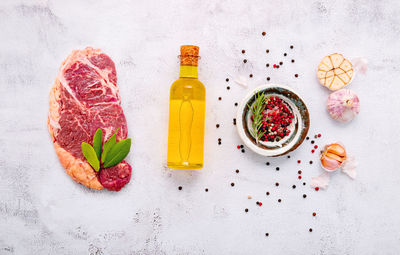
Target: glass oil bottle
(186, 114)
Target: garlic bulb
(343, 105)
(333, 156)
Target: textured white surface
(42, 211)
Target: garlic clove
(329, 163)
(334, 157)
(336, 149)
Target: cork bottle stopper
(189, 55)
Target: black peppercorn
(232, 184)
(227, 79)
(245, 61)
(266, 234)
(304, 195)
(251, 75)
(217, 125)
(246, 210)
(267, 51)
(267, 163)
(291, 46)
(206, 190)
(243, 150)
(292, 60)
(294, 186)
(263, 33)
(267, 65)
(267, 193)
(279, 200)
(180, 187)
(277, 169)
(296, 75)
(284, 54)
(236, 104)
(243, 51)
(219, 98)
(312, 142)
(237, 171)
(228, 88)
(280, 63)
(268, 78)
(277, 184)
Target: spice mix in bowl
(272, 120)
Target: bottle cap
(189, 55)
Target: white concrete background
(42, 211)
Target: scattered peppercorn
(267, 163)
(312, 142)
(206, 190)
(243, 150)
(180, 187)
(307, 138)
(236, 104)
(251, 75)
(291, 46)
(234, 121)
(288, 156)
(257, 202)
(268, 78)
(267, 193)
(315, 136)
(245, 61)
(237, 171)
(281, 63)
(277, 184)
(241, 146)
(299, 172)
(267, 65)
(263, 33)
(311, 162)
(228, 88)
(294, 186)
(219, 98)
(219, 139)
(246, 210)
(277, 169)
(304, 184)
(279, 200)
(310, 230)
(232, 184)
(267, 51)
(219, 143)
(284, 54)
(296, 75)
(227, 79)
(217, 125)
(277, 66)
(243, 51)
(266, 234)
(304, 195)
(292, 60)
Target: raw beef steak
(85, 97)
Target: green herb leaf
(117, 153)
(257, 109)
(97, 142)
(108, 145)
(90, 156)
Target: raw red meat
(85, 97)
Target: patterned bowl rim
(304, 122)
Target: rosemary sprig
(257, 109)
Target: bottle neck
(188, 72)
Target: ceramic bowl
(299, 126)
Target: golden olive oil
(186, 115)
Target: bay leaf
(108, 144)
(90, 156)
(97, 142)
(117, 153)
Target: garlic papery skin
(343, 105)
